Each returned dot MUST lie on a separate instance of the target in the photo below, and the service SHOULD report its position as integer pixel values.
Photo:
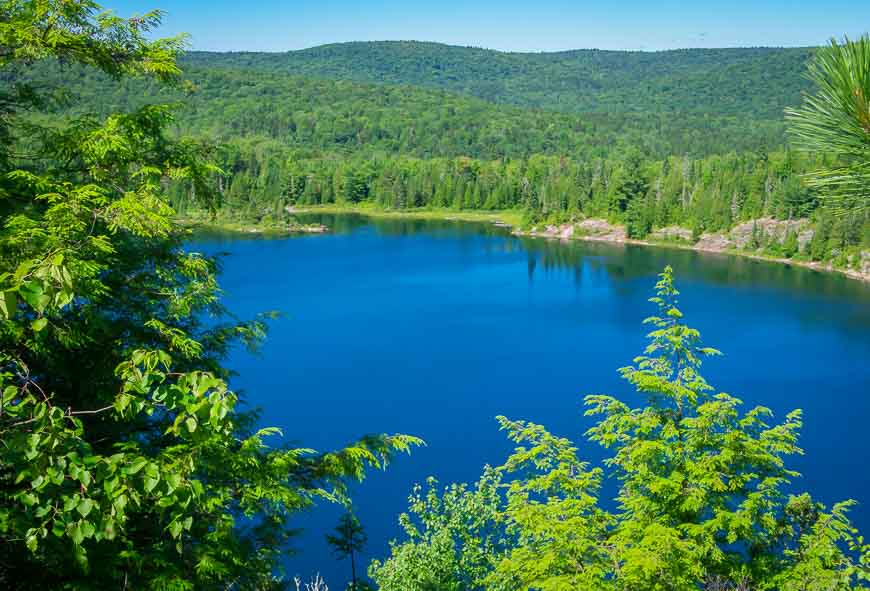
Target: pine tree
(348, 540)
(836, 121)
(790, 247)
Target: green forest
(691, 141)
(128, 460)
(757, 82)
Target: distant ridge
(438, 44)
(753, 81)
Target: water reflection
(620, 262)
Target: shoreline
(510, 220)
(812, 265)
(506, 217)
(249, 229)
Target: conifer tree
(347, 541)
(836, 121)
(704, 496)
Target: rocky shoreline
(735, 242)
(291, 229)
(252, 228)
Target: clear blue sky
(510, 25)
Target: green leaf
(84, 477)
(76, 533)
(9, 393)
(31, 540)
(70, 503)
(38, 324)
(175, 528)
(173, 480)
(150, 483)
(137, 465)
(34, 294)
(8, 302)
(85, 507)
(63, 297)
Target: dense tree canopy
(126, 461)
(346, 116)
(745, 82)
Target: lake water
(434, 328)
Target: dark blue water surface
(434, 328)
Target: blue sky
(510, 25)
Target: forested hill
(694, 138)
(755, 82)
(229, 104)
(427, 99)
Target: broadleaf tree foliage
(704, 498)
(126, 461)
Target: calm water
(434, 328)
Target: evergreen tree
(638, 219)
(705, 498)
(836, 120)
(632, 183)
(348, 540)
(790, 244)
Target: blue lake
(434, 328)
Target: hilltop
(428, 99)
(758, 82)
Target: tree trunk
(352, 571)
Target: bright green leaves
(135, 466)
(80, 472)
(179, 526)
(697, 475)
(84, 507)
(8, 302)
(81, 33)
(83, 496)
(669, 366)
(33, 293)
(701, 499)
(31, 539)
(80, 495)
(151, 478)
(453, 539)
(115, 417)
(80, 530)
(552, 509)
(45, 286)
